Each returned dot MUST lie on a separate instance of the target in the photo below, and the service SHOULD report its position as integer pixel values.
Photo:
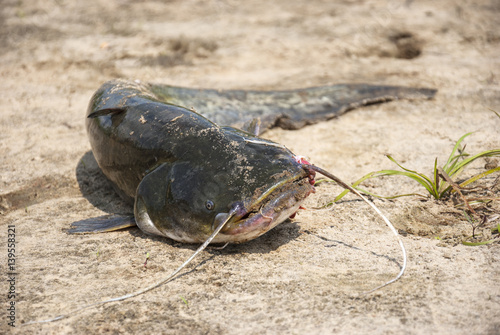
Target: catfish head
(252, 183)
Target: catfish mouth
(274, 206)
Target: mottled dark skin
(185, 172)
(291, 109)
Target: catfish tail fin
(292, 109)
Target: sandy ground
(305, 276)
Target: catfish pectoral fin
(102, 224)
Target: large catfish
(194, 177)
(191, 159)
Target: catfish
(186, 157)
(193, 165)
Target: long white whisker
(386, 220)
(149, 288)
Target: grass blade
(436, 178)
(465, 162)
(479, 176)
(455, 148)
(424, 181)
(473, 244)
(415, 173)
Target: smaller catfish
(192, 162)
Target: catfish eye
(209, 204)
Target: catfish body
(185, 173)
(160, 148)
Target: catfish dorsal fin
(106, 111)
(252, 126)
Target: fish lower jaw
(256, 225)
(284, 203)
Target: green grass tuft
(443, 179)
